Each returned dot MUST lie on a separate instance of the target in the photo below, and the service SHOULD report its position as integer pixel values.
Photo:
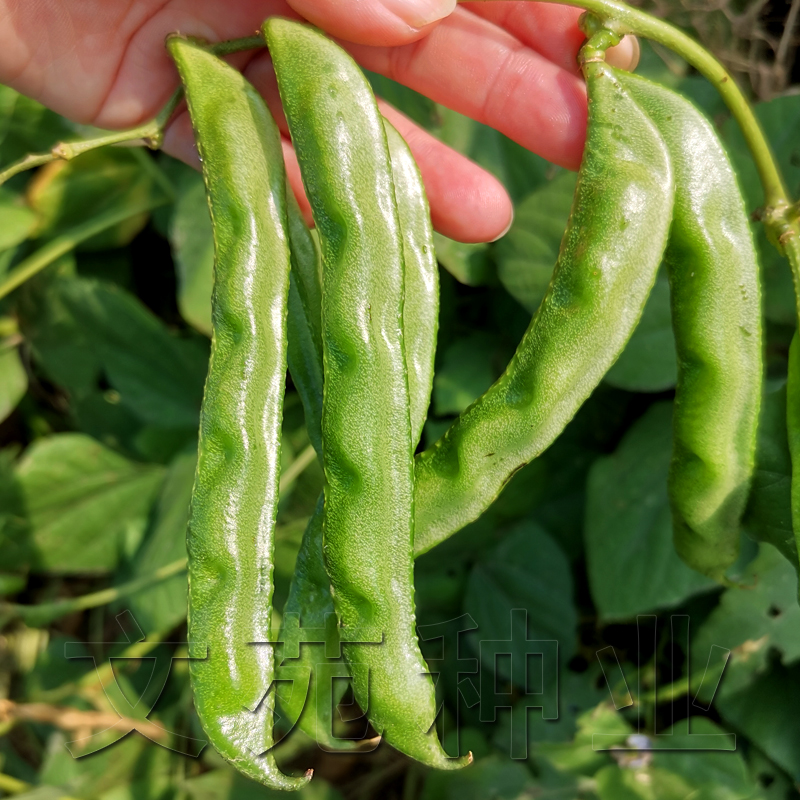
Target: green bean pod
(304, 321)
(234, 500)
(607, 264)
(309, 593)
(368, 528)
(716, 318)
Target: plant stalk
(623, 19)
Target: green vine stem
(68, 241)
(779, 216)
(623, 19)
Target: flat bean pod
(309, 593)
(234, 501)
(611, 250)
(716, 318)
(341, 146)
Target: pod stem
(149, 134)
(623, 19)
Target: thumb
(381, 23)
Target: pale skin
(511, 65)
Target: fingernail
(625, 55)
(419, 13)
(508, 228)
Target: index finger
(478, 69)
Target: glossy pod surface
(309, 593)
(235, 496)
(611, 250)
(341, 146)
(716, 318)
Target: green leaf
(625, 783)
(492, 777)
(66, 194)
(467, 263)
(466, 372)
(83, 504)
(79, 328)
(649, 362)
(769, 508)
(17, 221)
(30, 128)
(13, 380)
(527, 254)
(526, 570)
(633, 567)
(579, 756)
(163, 606)
(131, 769)
(192, 241)
(767, 712)
(761, 615)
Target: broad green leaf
(31, 128)
(65, 194)
(469, 264)
(466, 372)
(769, 507)
(577, 693)
(83, 504)
(579, 756)
(720, 775)
(163, 606)
(81, 328)
(17, 221)
(628, 783)
(649, 362)
(527, 254)
(526, 570)
(13, 380)
(633, 567)
(131, 769)
(760, 616)
(192, 243)
(492, 777)
(8, 100)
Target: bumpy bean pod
(235, 496)
(611, 250)
(716, 317)
(309, 593)
(368, 531)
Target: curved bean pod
(235, 496)
(611, 250)
(716, 317)
(368, 530)
(309, 593)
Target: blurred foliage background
(105, 277)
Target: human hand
(511, 65)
